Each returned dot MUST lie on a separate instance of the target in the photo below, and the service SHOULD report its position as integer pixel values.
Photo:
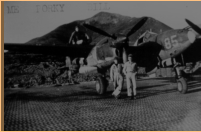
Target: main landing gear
(181, 81)
(101, 84)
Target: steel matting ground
(77, 107)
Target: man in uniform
(63, 71)
(79, 37)
(73, 69)
(130, 70)
(116, 76)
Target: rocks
(19, 74)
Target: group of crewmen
(129, 69)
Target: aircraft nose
(191, 36)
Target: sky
(24, 21)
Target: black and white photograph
(102, 65)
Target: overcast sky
(26, 20)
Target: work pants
(131, 84)
(118, 84)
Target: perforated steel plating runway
(77, 107)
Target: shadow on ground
(88, 93)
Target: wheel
(101, 85)
(182, 85)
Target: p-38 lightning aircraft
(168, 44)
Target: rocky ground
(34, 70)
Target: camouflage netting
(29, 70)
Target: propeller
(137, 26)
(99, 31)
(195, 27)
(133, 30)
(123, 42)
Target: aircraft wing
(146, 55)
(66, 50)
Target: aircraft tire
(182, 85)
(101, 85)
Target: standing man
(79, 37)
(63, 71)
(130, 70)
(74, 36)
(73, 69)
(116, 76)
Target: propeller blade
(137, 26)
(99, 31)
(195, 27)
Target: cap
(117, 58)
(130, 55)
